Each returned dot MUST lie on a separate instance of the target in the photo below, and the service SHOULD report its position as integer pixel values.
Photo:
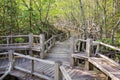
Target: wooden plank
(14, 36)
(42, 46)
(34, 73)
(99, 66)
(107, 45)
(110, 60)
(15, 44)
(4, 53)
(57, 74)
(36, 36)
(95, 43)
(42, 67)
(82, 40)
(65, 74)
(88, 47)
(7, 72)
(80, 55)
(71, 72)
(33, 58)
(14, 48)
(30, 40)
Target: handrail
(51, 42)
(82, 40)
(14, 36)
(65, 73)
(4, 53)
(110, 46)
(7, 72)
(13, 44)
(50, 39)
(33, 58)
(55, 66)
(78, 46)
(36, 36)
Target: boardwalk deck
(80, 55)
(106, 67)
(26, 65)
(81, 74)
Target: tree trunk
(30, 17)
(104, 17)
(3, 19)
(114, 29)
(48, 9)
(83, 20)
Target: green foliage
(19, 40)
(117, 57)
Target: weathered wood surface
(23, 75)
(7, 71)
(41, 70)
(80, 55)
(50, 70)
(106, 67)
(110, 46)
(15, 47)
(65, 74)
(75, 73)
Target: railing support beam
(88, 66)
(57, 74)
(11, 57)
(42, 46)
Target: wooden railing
(65, 74)
(18, 40)
(34, 66)
(50, 43)
(79, 45)
(94, 46)
(7, 72)
(30, 42)
(6, 67)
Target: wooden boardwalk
(60, 61)
(106, 67)
(77, 73)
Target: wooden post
(54, 39)
(72, 60)
(88, 47)
(30, 40)
(57, 74)
(83, 45)
(11, 60)
(30, 51)
(32, 61)
(88, 51)
(97, 49)
(42, 46)
(7, 40)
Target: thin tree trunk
(104, 17)
(30, 17)
(47, 13)
(114, 29)
(11, 17)
(83, 20)
(3, 19)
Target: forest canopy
(91, 18)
